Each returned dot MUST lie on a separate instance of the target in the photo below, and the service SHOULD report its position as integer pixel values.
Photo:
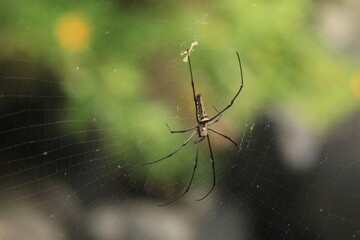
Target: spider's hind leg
(217, 119)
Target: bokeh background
(88, 86)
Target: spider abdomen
(200, 109)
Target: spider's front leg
(224, 136)
(213, 169)
(191, 178)
(169, 155)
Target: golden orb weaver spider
(201, 131)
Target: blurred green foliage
(129, 75)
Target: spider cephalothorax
(201, 130)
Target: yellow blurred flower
(73, 31)
(355, 84)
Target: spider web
(74, 126)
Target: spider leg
(191, 178)
(192, 84)
(169, 155)
(216, 120)
(215, 109)
(199, 141)
(228, 138)
(241, 87)
(213, 169)
(181, 131)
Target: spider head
(203, 130)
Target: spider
(201, 131)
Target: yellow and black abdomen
(200, 109)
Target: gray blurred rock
(140, 220)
